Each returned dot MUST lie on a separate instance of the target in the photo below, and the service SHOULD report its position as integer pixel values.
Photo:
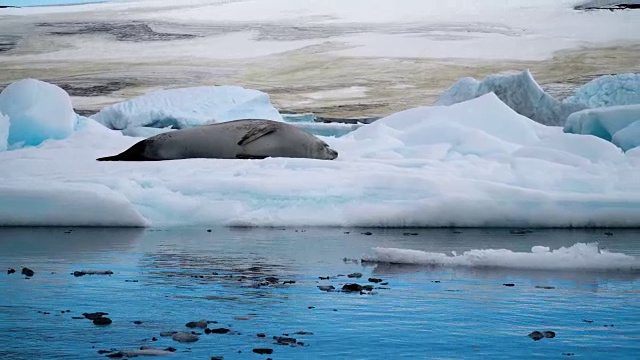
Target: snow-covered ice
(519, 91)
(608, 90)
(37, 111)
(577, 257)
(602, 122)
(188, 107)
(628, 137)
(475, 163)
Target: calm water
(166, 278)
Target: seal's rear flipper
(257, 132)
(242, 156)
(134, 153)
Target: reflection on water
(266, 281)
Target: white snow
(577, 257)
(467, 29)
(608, 90)
(37, 111)
(519, 91)
(188, 107)
(476, 163)
(602, 122)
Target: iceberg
(37, 111)
(4, 132)
(188, 107)
(608, 90)
(628, 137)
(472, 164)
(605, 123)
(519, 91)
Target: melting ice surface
(475, 163)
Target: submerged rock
(92, 272)
(95, 315)
(184, 337)
(263, 351)
(326, 288)
(10, 271)
(536, 335)
(202, 324)
(549, 334)
(355, 275)
(220, 331)
(375, 280)
(282, 340)
(102, 321)
(352, 288)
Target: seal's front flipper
(257, 132)
(242, 156)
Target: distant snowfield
(466, 29)
(291, 48)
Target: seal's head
(323, 151)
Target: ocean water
(166, 278)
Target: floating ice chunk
(65, 204)
(580, 256)
(519, 91)
(608, 90)
(629, 137)
(188, 107)
(37, 111)
(602, 122)
(4, 131)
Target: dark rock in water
(326, 288)
(545, 287)
(536, 335)
(102, 352)
(304, 333)
(311, 307)
(352, 288)
(282, 340)
(375, 280)
(10, 271)
(116, 355)
(132, 281)
(202, 324)
(609, 233)
(324, 277)
(587, 321)
(549, 334)
(184, 337)
(220, 331)
(171, 349)
(261, 335)
(217, 358)
(263, 351)
(208, 230)
(568, 354)
(92, 272)
(384, 283)
(509, 285)
(78, 317)
(154, 339)
(608, 325)
(289, 282)
(168, 333)
(368, 233)
(354, 275)
(27, 272)
(95, 315)
(347, 232)
(433, 281)
(520, 231)
(102, 321)
(138, 322)
(607, 5)
(410, 234)
(272, 279)
(207, 331)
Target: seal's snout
(332, 154)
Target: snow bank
(608, 90)
(605, 123)
(37, 111)
(476, 163)
(188, 107)
(519, 91)
(580, 256)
